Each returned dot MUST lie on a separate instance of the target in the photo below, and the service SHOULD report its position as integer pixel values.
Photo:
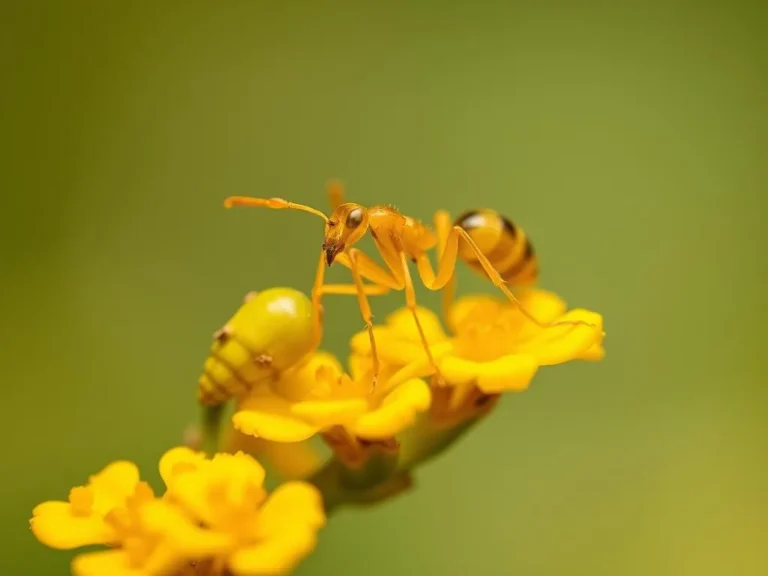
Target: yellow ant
(487, 237)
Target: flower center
(236, 506)
(483, 341)
(81, 501)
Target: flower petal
(113, 485)
(563, 343)
(301, 381)
(475, 307)
(513, 372)
(287, 526)
(402, 323)
(594, 353)
(322, 414)
(179, 460)
(291, 506)
(543, 305)
(275, 556)
(112, 562)
(289, 459)
(457, 370)
(55, 525)
(269, 416)
(186, 539)
(397, 411)
(391, 347)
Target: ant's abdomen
(505, 245)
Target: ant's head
(346, 225)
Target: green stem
(211, 428)
(428, 439)
(372, 481)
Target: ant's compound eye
(354, 218)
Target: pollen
(81, 501)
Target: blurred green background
(629, 139)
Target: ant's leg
(448, 265)
(351, 289)
(319, 289)
(443, 225)
(317, 294)
(410, 301)
(365, 309)
(371, 270)
(335, 193)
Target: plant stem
(211, 428)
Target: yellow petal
(239, 468)
(112, 562)
(302, 381)
(359, 365)
(563, 343)
(187, 538)
(512, 372)
(322, 414)
(458, 371)
(360, 343)
(391, 348)
(113, 485)
(228, 472)
(276, 556)
(419, 368)
(479, 308)
(287, 526)
(152, 561)
(403, 324)
(474, 307)
(270, 416)
(291, 506)
(397, 411)
(594, 353)
(55, 525)
(543, 305)
(179, 460)
(289, 459)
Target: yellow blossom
(90, 514)
(317, 395)
(493, 346)
(215, 512)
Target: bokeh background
(629, 139)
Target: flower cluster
(492, 348)
(214, 516)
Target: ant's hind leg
(448, 263)
(443, 225)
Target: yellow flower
(214, 511)
(91, 514)
(317, 395)
(493, 347)
(257, 533)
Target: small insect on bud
(271, 331)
